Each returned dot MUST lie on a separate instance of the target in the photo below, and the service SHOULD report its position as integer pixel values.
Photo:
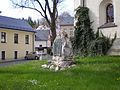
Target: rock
(57, 68)
(52, 67)
(44, 66)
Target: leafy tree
(46, 8)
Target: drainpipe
(83, 2)
(33, 41)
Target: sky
(8, 10)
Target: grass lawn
(99, 73)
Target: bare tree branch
(56, 15)
(40, 5)
(33, 4)
(55, 5)
(48, 6)
(48, 10)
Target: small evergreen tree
(85, 41)
(83, 32)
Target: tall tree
(48, 9)
(33, 23)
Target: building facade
(42, 38)
(105, 16)
(16, 38)
(66, 23)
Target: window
(110, 13)
(3, 37)
(26, 39)
(3, 55)
(26, 52)
(15, 54)
(15, 38)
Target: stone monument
(62, 53)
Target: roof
(42, 35)
(67, 20)
(15, 24)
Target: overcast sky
(8, 10)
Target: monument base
(58, 63)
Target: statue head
(59, 33)
(64, 34)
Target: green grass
(99, 73)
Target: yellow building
(16, 38)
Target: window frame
(27, 52)
(15, 54)
(26, 39)
(3, 37)
(16, 38)
(107, 16)
(3, 55)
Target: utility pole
(82, 3)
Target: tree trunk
(53, 31)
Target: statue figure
(110, 13)
(66, 47)
(62, 53)
(62, 49)
(57, 46)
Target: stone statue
(110, 13)
(62, 53)
(62, 48)
(66, 47)
(57, 46)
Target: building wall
(97, 11)
(68, 29)
(98, 15)
(38, 43)
(77, 3)
(117, 13)
(9, 47)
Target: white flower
(34, 82)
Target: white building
(42, 39)
(66, 23)
(105, 16)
